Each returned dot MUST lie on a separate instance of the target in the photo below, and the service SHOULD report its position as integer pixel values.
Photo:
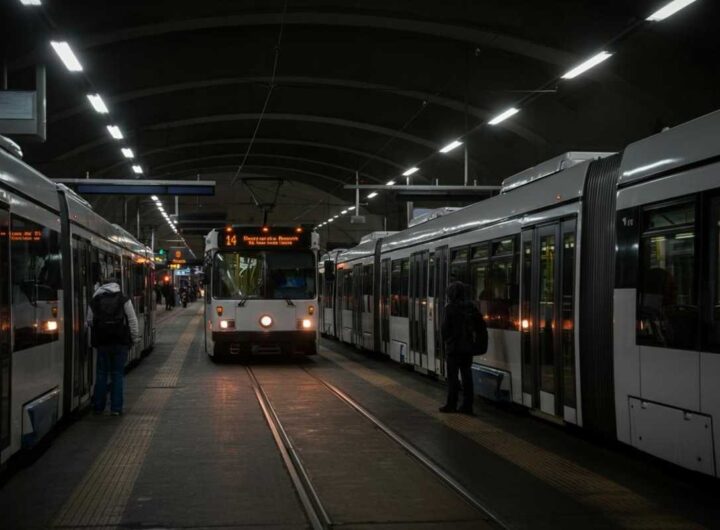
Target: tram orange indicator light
(265, 229)
(311, 310)
(299, 230)
(219, 310)
(228, 228)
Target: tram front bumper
(259, 342)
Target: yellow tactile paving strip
(614, 501)
(100, 498)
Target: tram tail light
(219, 310)
(305, 323)
(227, 324)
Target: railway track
(325, 515)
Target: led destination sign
(264, 237)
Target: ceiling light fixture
(371, 195)
(128, 153)
(669, 10)
(590, 63)
(330, 220)
(452, 145)
(115, 132)
(504, 116)
(64, 51)
(351, 208)
(137, 170)
(155, 198)
(97, 103)
(30, 2)
(343, 212)
(411, 171)
(390, 183)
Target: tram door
(357, 305)
(5, 345)
(440, 287)
(385, 304)
(547, 317)
(82, 353)
(418, 307)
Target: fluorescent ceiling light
(67, 56)
(343, 212)
(371, 195)
(584, 67)
(137, 170)
(449, 147)
(115, 132)
(30, 2)
(351, 208)
(154, 197)
(390, 183)
(128, 153)
(504, 115)
(411, 171)
(97, 103)
(330, 220)
(335, 217)
(669, 10)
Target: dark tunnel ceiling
(369, 86)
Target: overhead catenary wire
(268, 97)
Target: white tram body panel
(666, 381)
(242, 316)
(46, 364)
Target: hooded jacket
(129, 311)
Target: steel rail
(316, 513)
(414, 452)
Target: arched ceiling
(312, 91)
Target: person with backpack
(465, 335)
(115, 329)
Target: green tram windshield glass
(271, 275)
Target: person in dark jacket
(458, 351)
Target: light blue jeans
(110, 361)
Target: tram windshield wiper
(289, 301)
(242, 301)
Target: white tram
(261, 291)
(599, 278)
(53, 252)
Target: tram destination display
(264, 237)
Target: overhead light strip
(504, 116)
(97, 103)
(669, 10)
(587, 65)
(64, 51)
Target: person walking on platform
(115, 329)
(465, 335)
(169, 294)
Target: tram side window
(667, 298)
(399, 288)
(712, 335)
(368, 288)
(36, 270)
(348, 290)
(494, 282)
(459, 264)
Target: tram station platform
(341, 439)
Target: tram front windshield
(275, 275)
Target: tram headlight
(305, 323)
(227, 324)
(266, 321)
(51, 326)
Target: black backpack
(110, 324)
(475, 334)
